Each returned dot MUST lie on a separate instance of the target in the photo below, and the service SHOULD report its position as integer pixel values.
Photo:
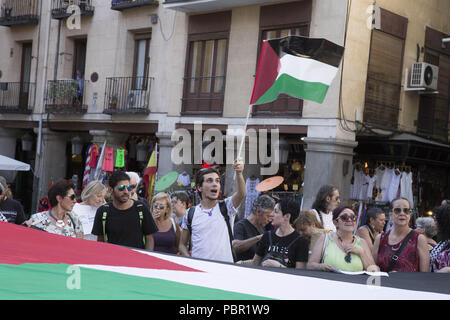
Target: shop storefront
(403, 165)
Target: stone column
(8, 138)
(52, 162)
(165, 164)
(328, 161)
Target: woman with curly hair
(440, 255)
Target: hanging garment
(406, 191)
(358, 182)
(364, 188)
(108, 160)
(251, 195)
(393, 185)
(120, 158)
(184, 179)
(371, 183)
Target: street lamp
(77, 145)
(27, 142)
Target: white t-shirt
(327, 220)
(210, 239)
(86, 214)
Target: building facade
(134, 72)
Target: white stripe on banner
(270, 284)
(305, 69)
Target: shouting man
(208, 225)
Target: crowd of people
(275, 234)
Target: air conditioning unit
(136, 99)
(424, 75)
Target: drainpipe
(39, 164)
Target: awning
(7, 163)
(404, 147)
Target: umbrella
(12, 164)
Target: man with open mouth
(208, 226)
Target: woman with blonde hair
(92, 197)
(168, 236)
(308, 226)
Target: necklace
(348, 257)
(207, 211)
(59, 223)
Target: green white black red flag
(298, 66)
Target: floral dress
(440, 256)
(42, 221)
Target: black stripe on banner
(314, 48)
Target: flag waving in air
(297, 66)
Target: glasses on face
(160, 206)
(347, 218)
(399, 210)
(122, 187)
(72, 196)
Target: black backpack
(224, 212)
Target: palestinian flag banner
(297, 66)
(36, 265)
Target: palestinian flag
(297, 66)
(41, 266)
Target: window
(384, 74)
(433, 115)
(204, 82)
(141, 62)
(277, 21)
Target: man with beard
(209, 227)
(124, 221)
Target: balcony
(190, 6)
(17, 97)
(65, 97)
(127, 95)
(121, 5)
(16, 12)
(59, 8)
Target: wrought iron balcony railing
(65, 97)
(127, 95)
(120, 5)
(17, 97)
(19, 12)
(60, 8)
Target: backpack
(105, 215)
(224, 212)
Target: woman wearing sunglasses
(168, 236)
(59, 219)
(401, 248)
(342, 250)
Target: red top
(408, 261)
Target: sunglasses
(122, 187)
(160, 207)
(347, 218)
(72, 197)
(399, 210)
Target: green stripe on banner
(59, 281)
(286, 84)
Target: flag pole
(243, 135)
